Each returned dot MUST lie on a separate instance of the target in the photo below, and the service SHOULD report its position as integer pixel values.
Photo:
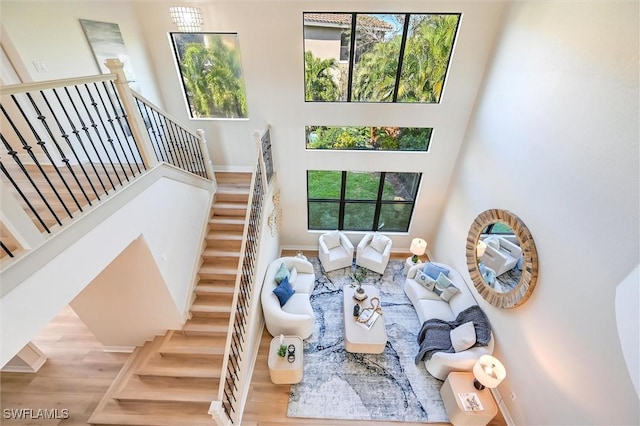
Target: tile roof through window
(344, 19)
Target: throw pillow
(284, 291)
(379, 242)
(332, 239)
(281, 273)
(463, 337)
(425, 280)
(445, 288)
(293, 274)
(434, 270)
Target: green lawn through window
(363, 206)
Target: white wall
(554, 139)
(271, 40)
(167, 212)
(128, 302)
(50, 32)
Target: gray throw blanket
(434, 334)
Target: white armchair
(501, 254)
(335, 251)
(374, 251)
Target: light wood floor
(76, 375)
(79, 372)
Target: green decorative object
(282, 350)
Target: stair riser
(232, 197)
(229, 178)
(221, 260)
(236, 227)
(230, 211)
(231, 261)
(215, 299)
(192, 400)
(224, 244)
(216, 286)
(216, 276)
(218, 315)
(214, 359)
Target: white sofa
(295, 317)
(374, 251)
(335, 251)
(429, 305)
(501, 254)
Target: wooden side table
(462, 383)
(281, 370)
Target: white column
(138, 128)
(208, 165)
(28, 360)
(17, 221)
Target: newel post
(208, 165)
(138, 128)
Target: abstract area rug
(340, 385)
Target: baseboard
(502, 407)
(119, 349)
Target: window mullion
(403, 43)
(376, 214)
(352, 56)
(343, 191)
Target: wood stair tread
(194, 350)
(224, 235)
(169, 389)
(234, 220)
(209, 307)
(157, 414)
(166, 368)
(220, 252)
(230, 205)
(194, 326)
(214, 269)
(207, 288)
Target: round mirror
(502, 258)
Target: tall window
(361, 201)
(359, 57)
(211, 71)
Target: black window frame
(379, 202)
(352, 52)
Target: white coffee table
(357, 339)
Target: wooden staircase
(172, 379)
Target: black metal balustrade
(232, 376)
(70, 143)
(266, 154)
(172, 143)
(66, 147)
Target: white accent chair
(335, 251)
(373, 252)
(501, 255)
(296, 317)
